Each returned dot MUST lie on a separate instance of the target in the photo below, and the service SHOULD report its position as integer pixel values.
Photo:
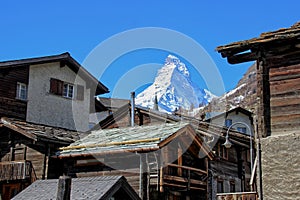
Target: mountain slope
(244, 95)
(174, 89)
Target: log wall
(9, 105)
(285, 99)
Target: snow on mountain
(174, 89)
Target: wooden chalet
(160, 161)
(227, 170)
(46, 90)
(277, 57)
(25, 153)
(44, 101)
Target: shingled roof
(40, 132)
(64, 59)
(246, 50)
(93, 188)
(130, 139)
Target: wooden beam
(161, 180)
(183, 180)
(188, 168)
(179, 160)
(7, 123)
(110, 144)
(241, 58)
(183, 186)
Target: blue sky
(41, 28)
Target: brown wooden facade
(229, 167)
(25, 154)
(173, 171)
(277, 56)
(10, 106)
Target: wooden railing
(15, 170)
(237, 196)
(185, 177)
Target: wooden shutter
(56, 86)
(80, 92)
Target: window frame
(220, 186)
(19, 90)
(67, 93)
(228, 123)
(242, 129)
(232, 186)
(222, 152)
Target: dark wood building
(25, 153)
(277, 56)
(160, 161)
(225, 169)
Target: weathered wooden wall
(9, 105)
(36, 153)
(285, 99)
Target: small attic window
(21, 92)
(228, 122)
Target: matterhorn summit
(174, 89)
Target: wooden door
(10, 190)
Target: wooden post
(24, 153)
(64, 188)
(12, 154)
(161, 179)
(263, 97)
(179, 159)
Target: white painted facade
(234, 117)
(46, 108)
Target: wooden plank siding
(285, 98)
(9, 105)
(15, 148)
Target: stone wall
(281, 166)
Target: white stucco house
(53, 90)
(236, 118)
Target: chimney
(155, 105)
(64, 188)
(132, 108)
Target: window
(232, 186)
(220, 186)
(228, 122)
(21, 91)
(68, 90)
(56, 86)
(242, 129)
(222, 151)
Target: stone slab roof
(40, 132)
(272, 36)
(123, 139)
(93, 188)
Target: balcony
(184, 177)
(16, 170)
(237, 196)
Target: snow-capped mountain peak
(174, 89)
